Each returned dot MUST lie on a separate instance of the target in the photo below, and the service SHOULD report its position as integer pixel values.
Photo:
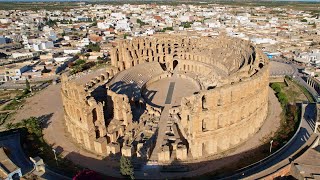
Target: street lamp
(55, 156)
(271, 145)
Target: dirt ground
(47, 105)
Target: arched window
(94, 115)
(204, 103)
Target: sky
(162, 0)
(129, 0)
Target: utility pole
(271, 145)
(55, 156)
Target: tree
(276, 87)
(28, 87)
(126, 168)
(94, 47)
(33, 126)
(304, 20)
(9, 126)
(186, 25)
(282, 98)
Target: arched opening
(260, 65)
(204, 103)
(97, 132)
(163, 66)
(204, 152)
(94, 115)
(204, 126)
(175, 63)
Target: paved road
(281, 67)
(306, 129)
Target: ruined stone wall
(226, 54)
(83, 117)
(228, 114)
(87, 110)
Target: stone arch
(204, 149)
(163, 66)
(204, 103)
(97, 131)
(175, 63)
(94, 115)
(204, 125)
(261, 65)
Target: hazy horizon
(140, 0)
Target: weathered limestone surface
(107, 114)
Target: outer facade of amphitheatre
(112, 111)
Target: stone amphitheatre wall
(165, 49)
(228, 114)
(230, 107)
(89, 108)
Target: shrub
(276, 87)
(126, 168)
(282, 98)
(304, 20)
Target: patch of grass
(13, 105)
(289, 117)
(18, 101)
(3, 118)
(304, 90)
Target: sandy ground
(47, 105)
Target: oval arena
(167, 98)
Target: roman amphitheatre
(169, 98)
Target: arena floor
(169, 91)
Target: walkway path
(161, 132)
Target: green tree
(27, 85)
(9, 126)
(141, 22)
(126, 168)
(186, 24)
(33, 125)
(282, 98)
(304, 20)
(276, 87)
(94, 47)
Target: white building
(42, 46)
(72, 51)
(123, 25)
(312, 57)
(103, 25)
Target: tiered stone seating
(142, 73)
